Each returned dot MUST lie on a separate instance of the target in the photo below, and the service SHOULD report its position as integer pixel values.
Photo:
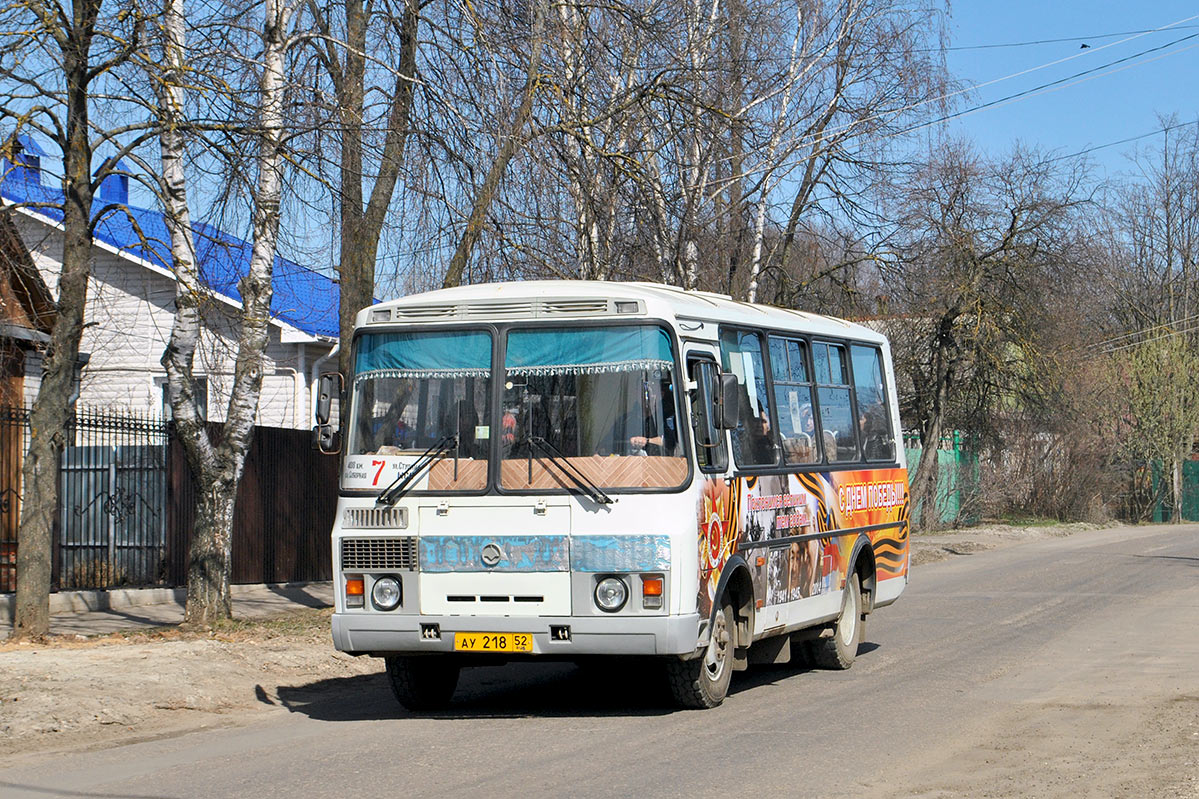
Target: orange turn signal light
(354, 586)
(651, 586)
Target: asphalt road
(1061, 667)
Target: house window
(201, 398)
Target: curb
(118, 598)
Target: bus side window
(839, 428)
(753, 440)
(874, 421)
(793, 401)
(710, 448)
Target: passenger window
(753, 440)
(838, 427)
(710, 448)
(793, 398)
(874, 420)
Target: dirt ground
(77, 692)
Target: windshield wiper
(407, 477)
(558, 458)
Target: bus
(570, 469)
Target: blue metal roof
(29, 145)
(303, 298)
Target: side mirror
(326, 439)
(325, 436)
(329, 384)
(728, 412)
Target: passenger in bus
(657, 397)
(876, 444)
(801, 445)
(753, 436)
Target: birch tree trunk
(217, 468)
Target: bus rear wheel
(703, 682)
(422, 683)
(839, 650)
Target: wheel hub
(717, 655)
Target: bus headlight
(611, 593)
(386, 594)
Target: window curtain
(424, 355)
(587, 351)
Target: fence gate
(112, 520)
(14, 438)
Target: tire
(839, 650)
(422, 683)
(703, 682)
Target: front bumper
(378, 634)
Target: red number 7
(380, 464)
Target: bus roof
(546, 300)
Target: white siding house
(130, 307)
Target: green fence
(1164, 508)
(957, 478)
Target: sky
(1102, 108)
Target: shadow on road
(300, 597)
(603, 687)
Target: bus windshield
(412, 390)
(603, 399)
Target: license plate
(493, 642)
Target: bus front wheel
(839, 650)
(422, 683)
(703, 682)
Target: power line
(1052, 41)
(1166, 129)
(1143, 331)
(1162, 337)
(1054, 85)
(1051, 84)
(1021, 73)
(803, 140)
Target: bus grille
(495, 309)
(375, 554)
(575, 307)
(374, 518)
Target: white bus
(569, 469)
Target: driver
(657, 398)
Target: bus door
(711, 448)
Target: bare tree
(218, 467)
(54, 62)
(982, 243)
(1155, 331)
(372, 101)
(511, 141)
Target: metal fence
(957, 478)
(112, 501)
(126, 504)
(1163, 491)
